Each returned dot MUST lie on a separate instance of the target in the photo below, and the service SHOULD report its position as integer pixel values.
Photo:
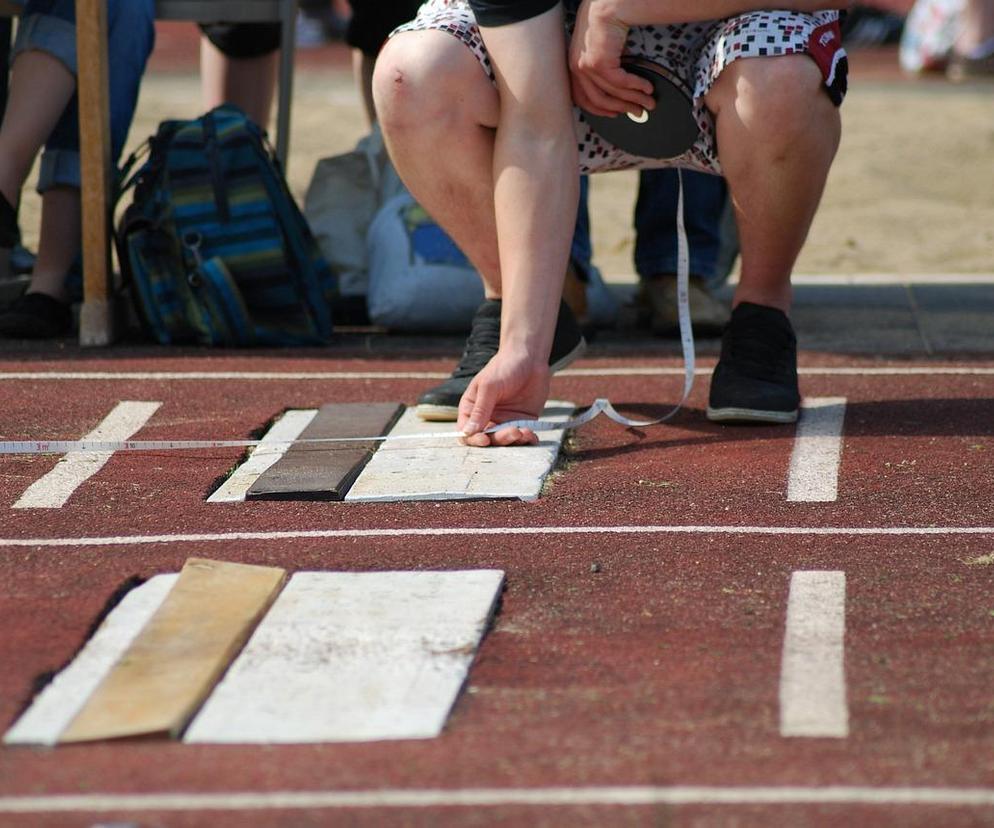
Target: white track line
(56, 706)
(812, 671)
(55, 488)
(634, 371)
(288, 427)
(497, 797)
(814, 463)
(353, 657)
(481, 531)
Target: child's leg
(60, 236)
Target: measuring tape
(600, 405)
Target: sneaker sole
(434, 413)
(750, 415)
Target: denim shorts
(50, 26)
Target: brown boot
(708, 315)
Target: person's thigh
(697, 54)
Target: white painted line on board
(481, 531)
(814, 463)
(812, 671)
(286, 428)
(498, 797)
(56, 706)
(433, 469)
(633, 371)
(75, 468)
(353, 657)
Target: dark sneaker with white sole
(441, 403)
(755, 380)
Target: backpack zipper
(217, 179)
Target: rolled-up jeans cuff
(47, 33)
(59, 168)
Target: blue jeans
(50, 26)
(655, 223)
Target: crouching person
(482, 104)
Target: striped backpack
(213, 244)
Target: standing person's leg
(369, 27)
(238, 65)
(656, 247)
(973, 51)
(46, 53)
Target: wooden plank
(444, 469)
(96, 317)
(287, 427)
(56, 706)
(345, 657)
(168, 670)
(326, 471)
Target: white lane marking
(432, 469)
(812, 671)
(353, 657)
(497, 797)
(56, 706)
(634, 371)
(75, 468)
(287, 427)
(814, 463)
(224, 537)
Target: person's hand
(508, 388)
(599, 84)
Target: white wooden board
(56, 706)
(444, 469)
(287, 427)
(345, 657)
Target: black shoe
(35, 316)
(755, 380)
(441, 403)
(9, 233)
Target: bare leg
(976, 26)
(40, 88)
(777, 135)
(362, 70)
(434, 101)
(248, 83)
(58, 243)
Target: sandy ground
(911, 190)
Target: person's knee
(425, 78)
(778, 98)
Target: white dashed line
(812, 673)
(55, 488)
(814, 463)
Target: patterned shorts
(695, 52)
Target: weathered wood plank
(168, 670)
(326, 471)
(345, 657)
(444, 469)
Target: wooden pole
(96, 318)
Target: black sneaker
(755, 380)
(441, 403)
(35, 316)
